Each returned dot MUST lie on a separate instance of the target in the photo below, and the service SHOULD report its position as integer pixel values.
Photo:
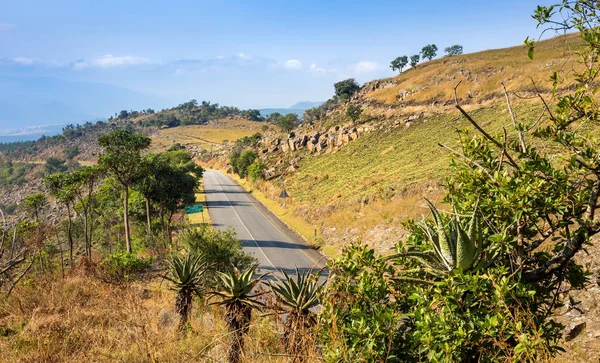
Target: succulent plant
(297, 296)
(188, 275)
(239, 298)
(456, 241)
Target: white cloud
(293, 64)
(314, 68)
(108, 61)
(365, 67)
(24, 61)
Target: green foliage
(55, 165)
(480, 317)
(346, 88)
(286, 123)
(399, 63)
(70, 152)
(241, 162)
(298, 295)
(188, 275)
(122, 153)
(250, 141)
(12, 173)
(256, 170)
(354, 111)
(429, 51)
(454, 50)
(239, 300)
(360, 314)
(218, 249)
(414, 60)
(238, 287)
(34, 204)
(252, 115)
(457, 243)
(122, 267)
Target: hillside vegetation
(103, 264)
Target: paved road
(261, 233)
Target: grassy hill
(380, 179)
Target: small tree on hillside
(429, 51)
(34, 204)
(414, 60)
(288, 122)
(354, 112)
(121, 158)
(399, 63)
(346, 88)
(454, 50)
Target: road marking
(242, 222)
(280, 231)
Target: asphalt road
(261, 233)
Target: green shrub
(221, 250)
(124, 266)
(360, 316)
(256, 170)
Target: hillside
(363, 189)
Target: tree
(288, 122)
(123, 114)
(84, 184)
(55, 165)
(354, 112)
(454, 50)
(252, 115)
(399, 63)
(346, 88)
(429, 51)
(414, 60)
(121, 158)
(176, 180)
(34, 204)
(311, 115)
(63, 187)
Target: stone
(574, 330)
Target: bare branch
(514, 121)
(483, 132)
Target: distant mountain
(30, 101)
(305, 105)
(297, 108)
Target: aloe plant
(297, 296)
(239, 298)
(456, 243)
(188, 275)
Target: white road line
(247, 230)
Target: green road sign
(195, 208)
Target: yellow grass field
(205, 136)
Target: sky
(250, 54)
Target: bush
(256, 170)
(360, 313)
(219, 249)
(122, 267)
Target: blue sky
(243, 53)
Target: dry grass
(205, 136)
(481, 73)
(82, 319)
